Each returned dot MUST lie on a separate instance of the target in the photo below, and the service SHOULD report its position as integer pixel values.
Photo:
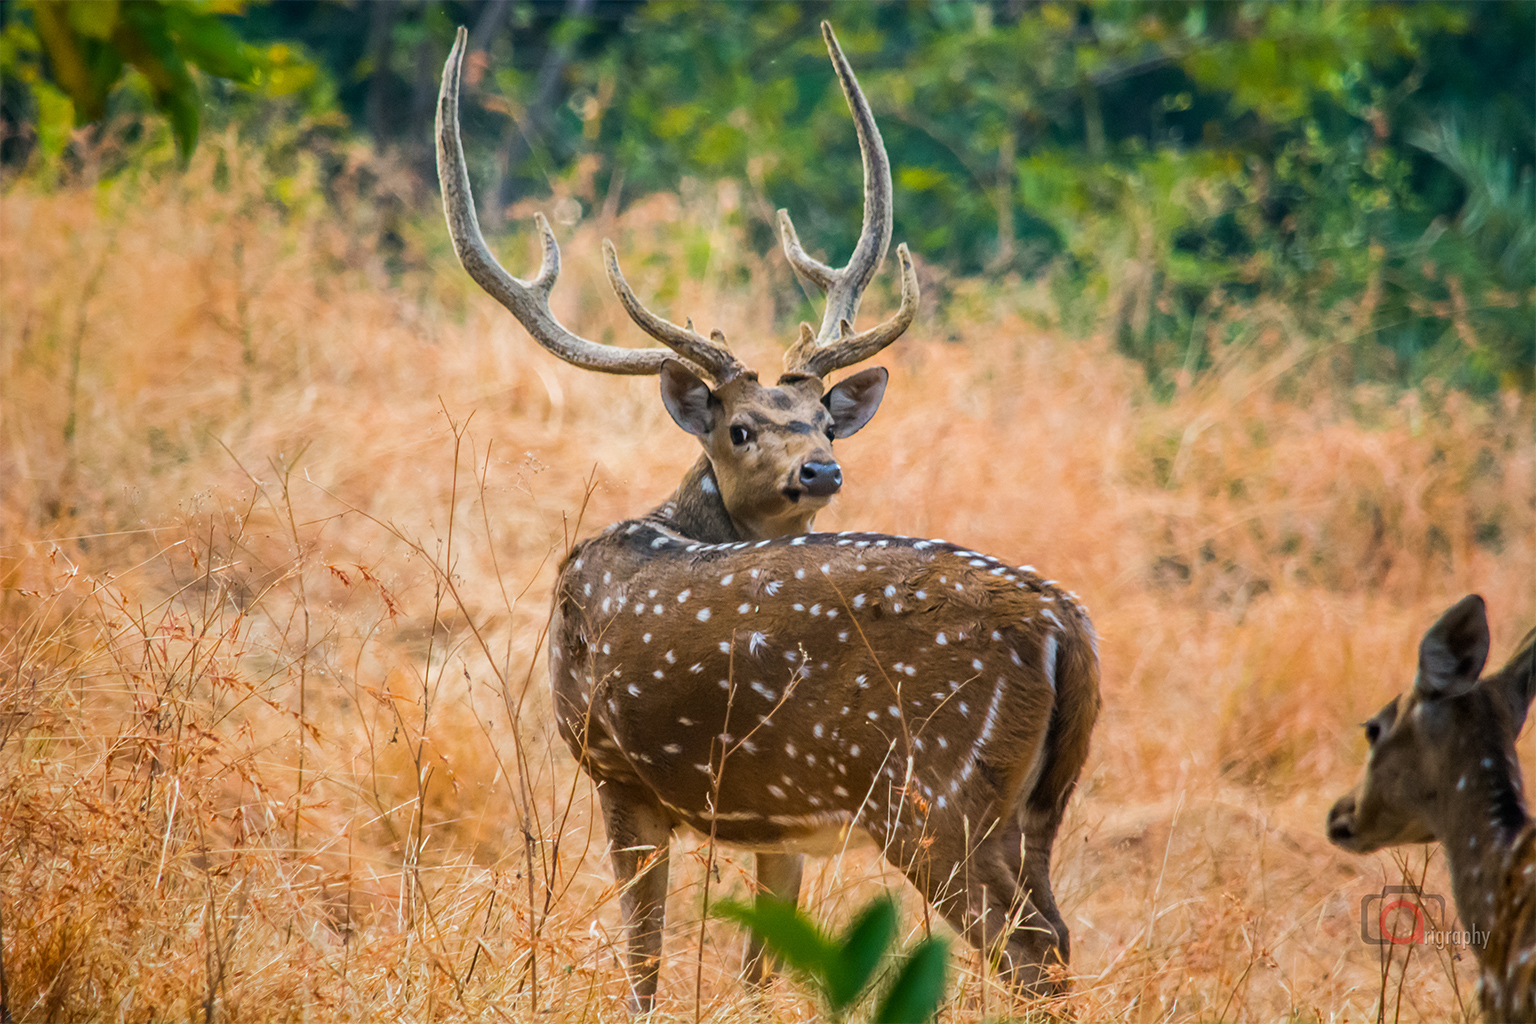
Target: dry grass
(274, 739)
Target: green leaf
(55, 118)
(784, 930)
(94, 19)
(914, 997)
(209, 43)
(142, 38)
(863, 945)
(67, 59)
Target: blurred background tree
(1176, 171)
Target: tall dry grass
(282, 498)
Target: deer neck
(696, 509)
(1483, 818)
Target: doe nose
(1341, 821)
(821, 479)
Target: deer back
(785, 690)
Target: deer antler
(834, 345)
(711, 353)
(528, 301)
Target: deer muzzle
(821, 479)
(1341, 823)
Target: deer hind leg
(639, 835)
(1028, 851)
(778, 874)
(979, 893)
(1076, 672)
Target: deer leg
(1039, 836)
(639, 835)
(778, 874)
(980, 896)
(1028, 854)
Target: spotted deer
(715, 665)
(1442, 768)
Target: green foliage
(89, 45)
(843, 970)
(1170, 168)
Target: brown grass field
(281, 509)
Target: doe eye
(739, 434)
(831, 436)
(1372, 732)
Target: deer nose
(821, 479)
(1341, 821)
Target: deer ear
(853, 400)
(687, 398)
(1452, 653)
(1515, 683)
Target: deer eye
(1372, 732)
(831, 436)
(740, 435)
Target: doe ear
(853, 400)
(1452, 653)
(687, 398)
(1515, 683)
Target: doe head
(1428, 744)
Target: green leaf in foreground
(914, 996)
(784, 930)
(863, 946)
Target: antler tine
(528, 301)
(807, 357)
(709, 353)
(844, 288)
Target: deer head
(1442, 767)
(1430, 745)
(768, 448)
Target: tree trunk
(1002, 198)
(519, 144)
(380, 46)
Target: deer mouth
(793, 494)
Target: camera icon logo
(1400, 915)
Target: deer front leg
(778, 874)
(639, 835)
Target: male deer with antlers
(1442, 767)
(714, 665)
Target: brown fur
(776, 692)
(1443, 769)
